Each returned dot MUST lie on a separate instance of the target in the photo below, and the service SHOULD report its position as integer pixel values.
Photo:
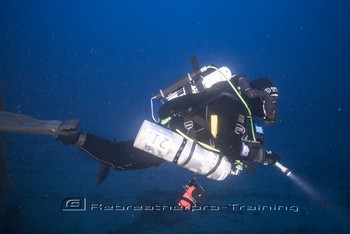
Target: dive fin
(103, 172)
(24, 124)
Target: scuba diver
(208, 122)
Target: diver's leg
(120, 155)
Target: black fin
(103, 172)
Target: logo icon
(74, 204)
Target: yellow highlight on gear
(214, 125)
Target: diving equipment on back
(195, 82)
(182, 151)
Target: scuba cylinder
(195, 82)
(172, 147)
(221, 74)
(180, 83)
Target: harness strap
(188, 88)
(197, 119)
(178, 153)
(201, 122)
(215, 167)
(191, 153)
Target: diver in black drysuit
(219, 99)
(233, 138)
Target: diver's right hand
(68, 132)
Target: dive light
(283, 169)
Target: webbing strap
(215, 167)
(188, 200)
(191, 153)
(178, 153)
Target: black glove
(68, 132)
(270, 158)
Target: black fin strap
(178, 153)
(191, 153)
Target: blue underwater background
(101, 62)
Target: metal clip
(188, 125)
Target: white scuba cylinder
(222, 74)
(172, 147)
